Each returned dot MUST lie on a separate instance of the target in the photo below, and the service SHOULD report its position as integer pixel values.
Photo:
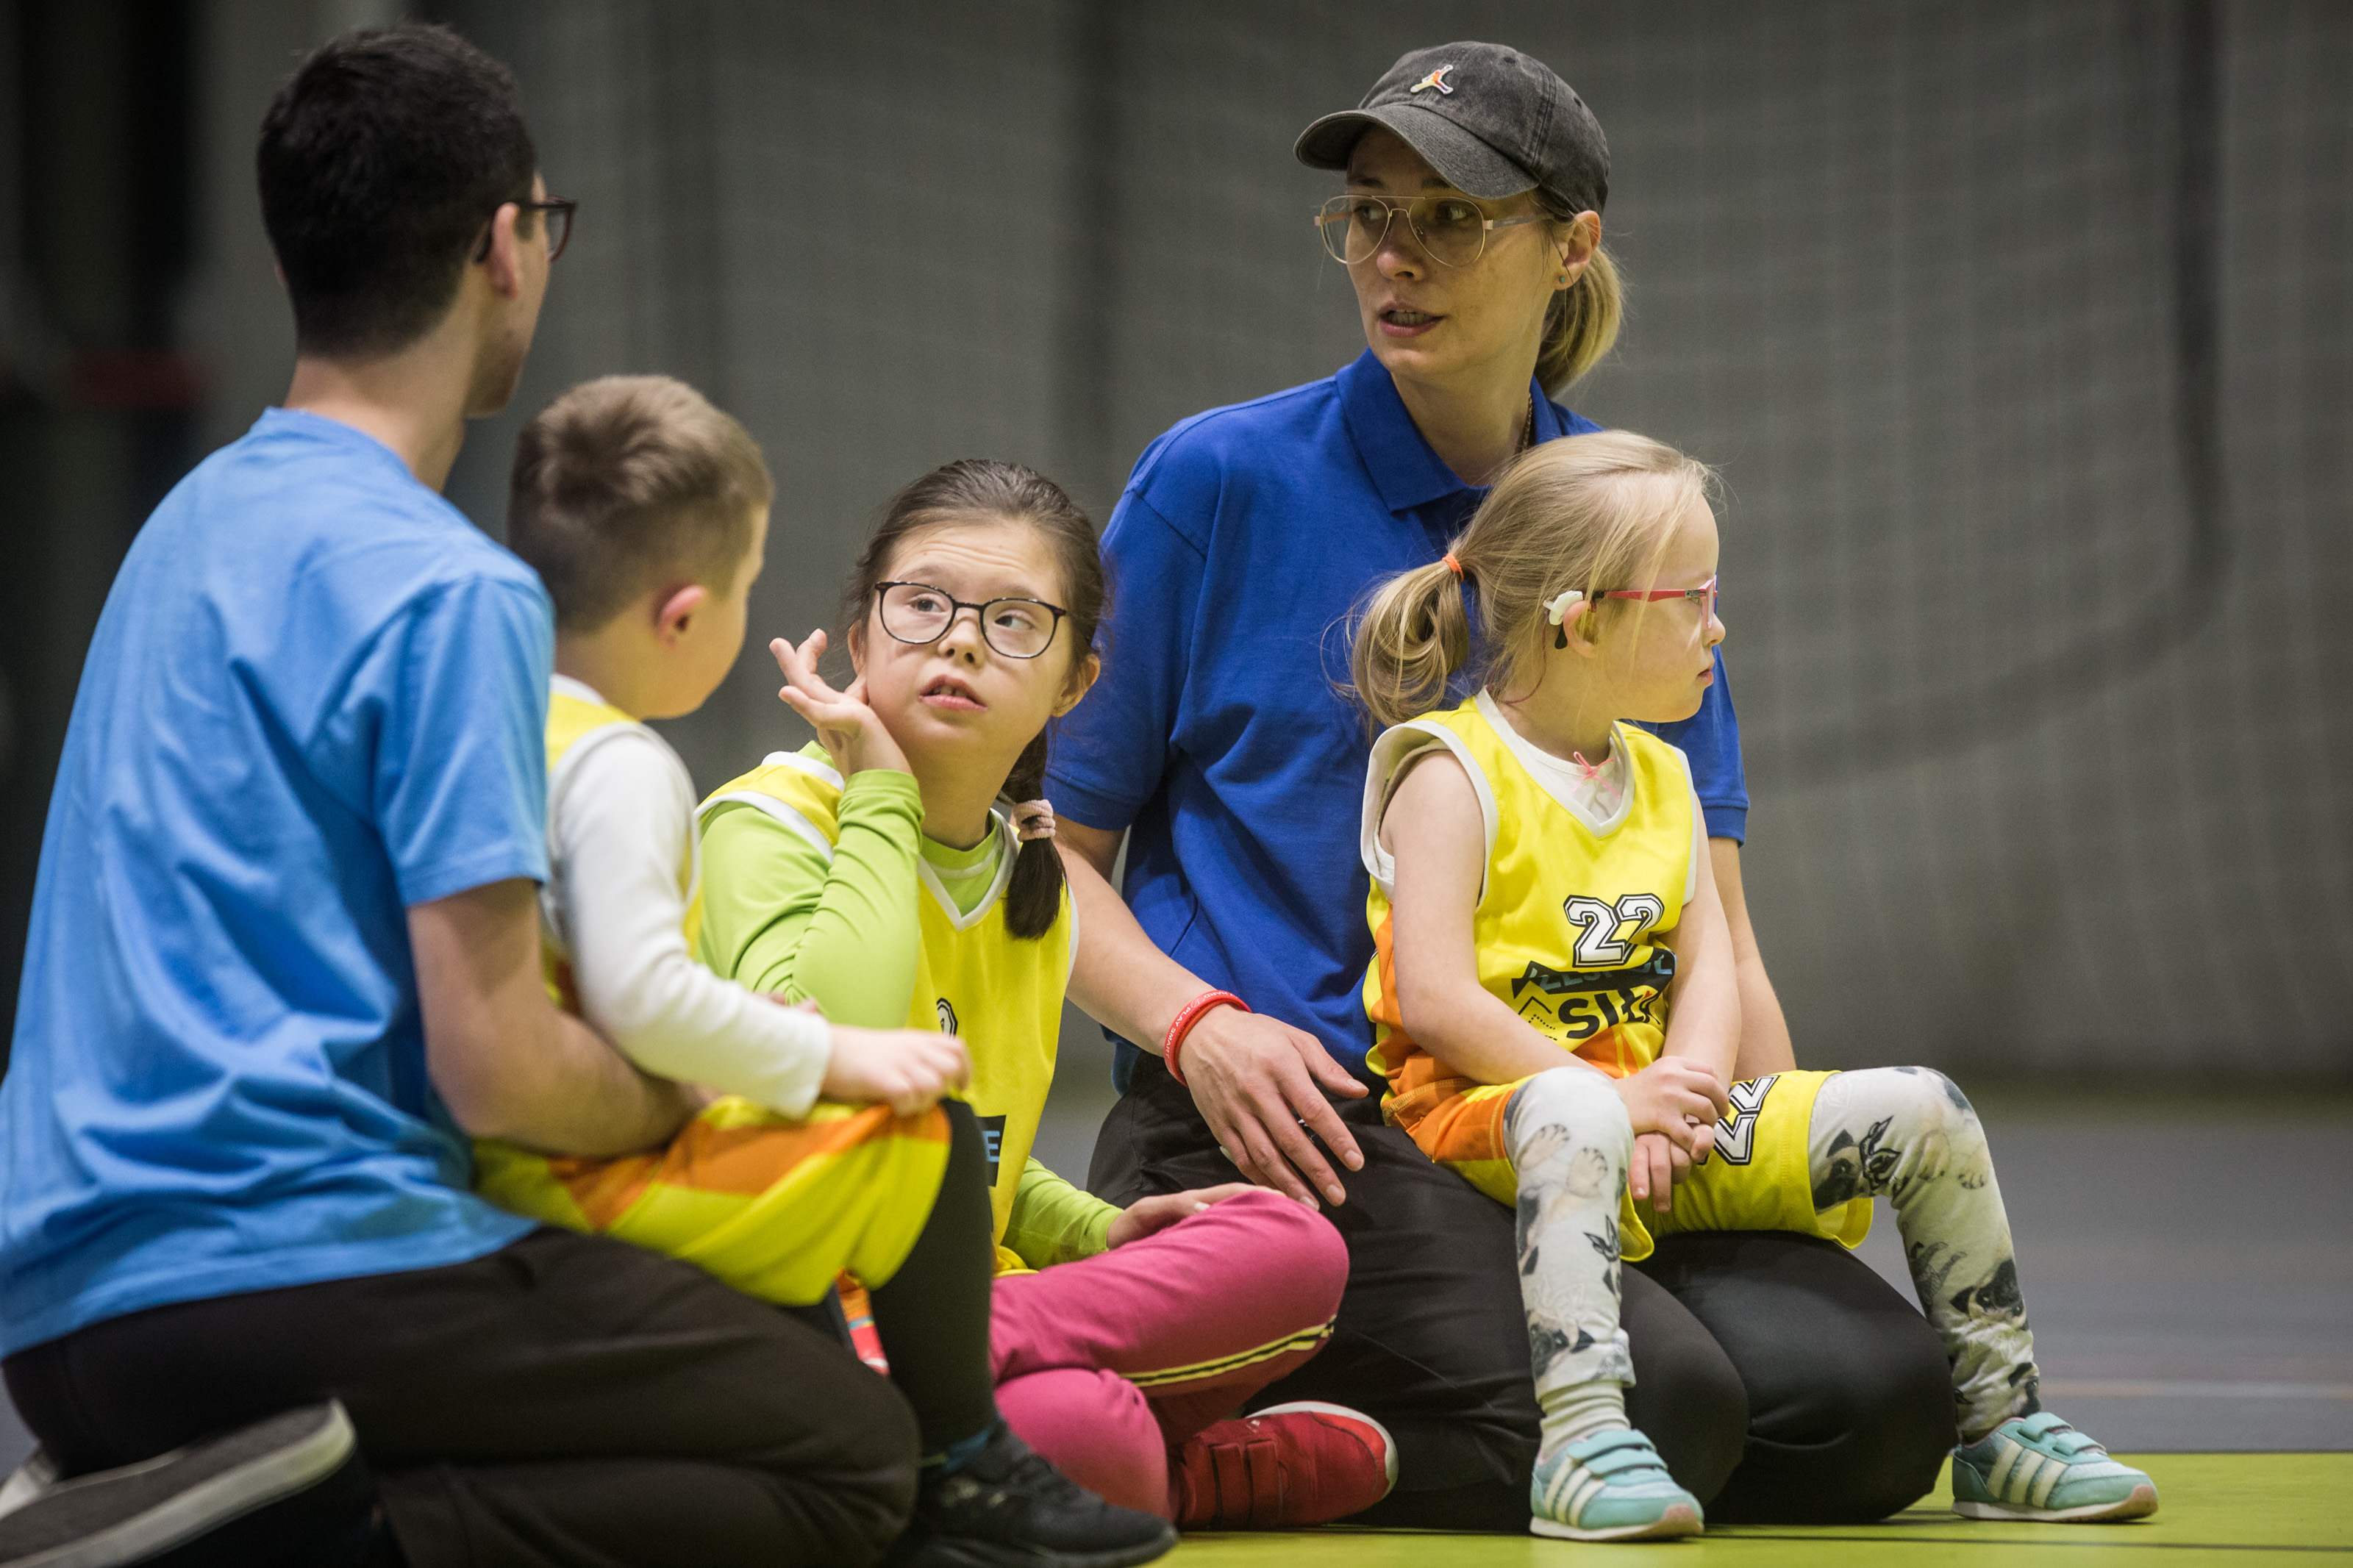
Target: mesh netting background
(2020, 331)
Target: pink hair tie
(1033, 819)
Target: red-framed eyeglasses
(1704, 597)
(1556, 613)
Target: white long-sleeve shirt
(620, 835)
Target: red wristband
(1189, 1015)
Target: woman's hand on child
(850, 731)
(910, 1070)
(1261, 1086)
(1146, 1215)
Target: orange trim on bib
(743, 1160)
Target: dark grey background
(2022, 333)
(1985, 312)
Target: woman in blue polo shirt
(1780, 1377)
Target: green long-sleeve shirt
(778, 915)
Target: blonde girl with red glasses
(1554, 1001)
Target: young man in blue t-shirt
(285, 958)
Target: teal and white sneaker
(2039, 1467)
(1611, 1487)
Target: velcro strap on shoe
(1619, 1462)
(1249, 1481)
(2053, 1435)
(1617, 1453)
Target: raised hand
(852, 734)
(907, 1069)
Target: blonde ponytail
(1581, 323)
(1412, 639)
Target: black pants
(1780, 1378)
(568, 1399)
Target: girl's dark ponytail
(1034, 897)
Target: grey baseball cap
(1493, 120)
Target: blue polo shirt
(316, 696)
(1245, 538)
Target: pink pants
(1106, 1364)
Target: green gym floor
(2188, 1264)
(2236, 1508)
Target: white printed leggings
(1904, 1133)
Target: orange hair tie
(1452, 565)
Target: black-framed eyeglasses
(558, 211)
(919, 613)
(1452, 229)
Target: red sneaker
(1288, 1465)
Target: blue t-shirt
(1246, 537)
(316, 696)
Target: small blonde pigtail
(1412, 637)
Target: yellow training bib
(974, 978)
(1571, 921)
(1571, 932)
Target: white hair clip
(1033, 819)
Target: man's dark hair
(382, 162)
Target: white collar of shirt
(1599, 797)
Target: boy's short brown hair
(628, 482)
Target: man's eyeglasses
(919, 613)
(1453, 230)
(558, 211)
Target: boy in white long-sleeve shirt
(828, 1149)
(617, 798)
(644, 509)
(649, 531)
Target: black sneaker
(292, 1490)
(1007, 1507)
